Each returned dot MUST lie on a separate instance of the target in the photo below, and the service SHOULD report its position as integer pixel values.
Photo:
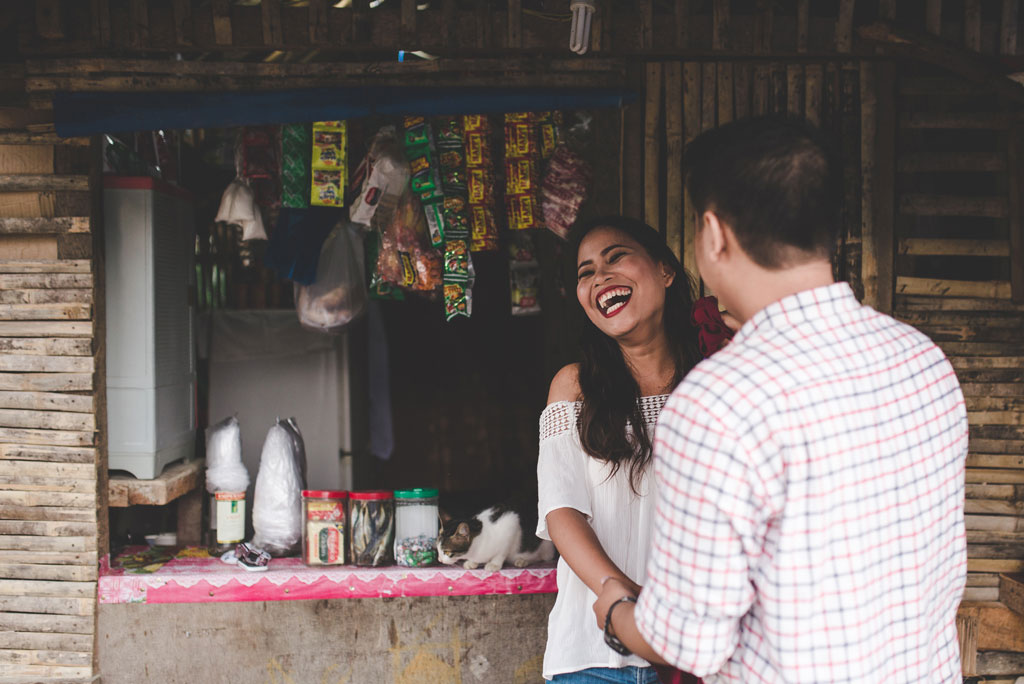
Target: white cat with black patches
(494, 536)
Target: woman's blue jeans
(608, 675)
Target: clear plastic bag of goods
(338, 296)
(385, 173)
(277, 499)
(225, 471)
(292, 426)
(238, 207)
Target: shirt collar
(808, 305)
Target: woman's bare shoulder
(565, 386)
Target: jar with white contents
(416, 526)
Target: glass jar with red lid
(371, 527)
(324, 529)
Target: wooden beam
(883, 215)
(803, 23)
(933, 17)
(943, 247)
(1008, 27)
(955, 121)
(708, 96)
(407, 20)
(1015, 200)
(955, 162)
(682, 17)
(138, 24)
(970, 65)
(955, 288)
(515, 24)
(270, 15)
(652, 145)
(725, 92)
(319, 21)
(887, 10)
(844, 26)
(720, 25)
(33, 182)
(674, 131)
(646, 24)
(869, 184)
(691, 129)
(43, 226)
(972, 25)
(48, 19)
(181, 11)
(763, 26)
(222, 34)
(946, 205)
(177, 480)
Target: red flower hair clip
(712, 332)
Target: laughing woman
(596, 497)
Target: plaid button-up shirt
(809, 523)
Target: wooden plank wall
(958, 163)
(50, 467)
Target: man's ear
(713, 236)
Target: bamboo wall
(958, 181)
(932, 216)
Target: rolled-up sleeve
(709, 528)
(561, 467)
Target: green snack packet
(295, 165)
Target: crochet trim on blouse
(561, 416)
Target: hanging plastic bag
(338, 296)
(277, 499)
(238, 207)
(225, 471)
(384, 173)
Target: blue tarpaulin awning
(80, 113)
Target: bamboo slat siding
(49, 465)
(956, 214)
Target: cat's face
(455, 538)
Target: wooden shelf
(176, 481)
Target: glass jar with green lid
(416, 527)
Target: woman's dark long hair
(610, 394)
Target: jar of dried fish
(416, 525)
(371, 527)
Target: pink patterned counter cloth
(202, 580)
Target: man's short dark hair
(774, 181)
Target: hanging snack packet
(522, 156)
(406, 258)
(458, 265)
(548, 132)
(425, 179)
(329, 163)
(259, 152)
(479, 183)
(295, 165)
(563, 190)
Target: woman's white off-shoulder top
(568, 478)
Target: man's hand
(612, 589)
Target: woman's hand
(612, 590)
